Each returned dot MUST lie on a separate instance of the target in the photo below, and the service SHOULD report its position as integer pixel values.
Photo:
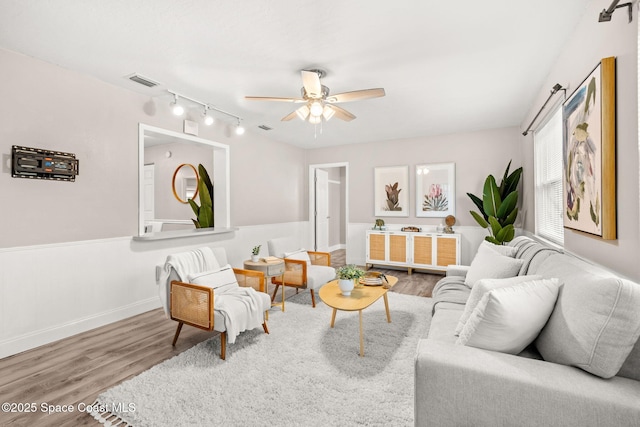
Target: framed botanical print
(391, 191)
(589, 166)
(436, 190)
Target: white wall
(591, 41)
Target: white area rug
(302, 374)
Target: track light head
(239, 129)
(176, 108)
(208, 120)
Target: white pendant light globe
(177, 109)
(208, 120)
(239, 130)
(316, 108)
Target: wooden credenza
(419, 250)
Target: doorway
(328, 206)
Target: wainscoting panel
(50, 292)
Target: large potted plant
(204, 212)
(498, 206)
(347, 276)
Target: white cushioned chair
(303, 269)
(202, 290)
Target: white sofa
(594, 327)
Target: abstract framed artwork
(589, 149)
(436, 190)
(391, 187)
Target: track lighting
(178, 109)
(208, 120)
(239, 128)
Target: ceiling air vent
(265, 127)
(143, 80)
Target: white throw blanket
(241, 308)
(185, 263)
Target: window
(547, 142)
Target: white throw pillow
(489, 264)
(509, 319)
(221, 280)
(300, 254)
(482, 287)
(509, 251)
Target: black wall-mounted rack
(36, 163)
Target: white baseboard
(45, 336)
(337, 247)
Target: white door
(322, 210)
(149, 191)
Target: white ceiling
(446, 66)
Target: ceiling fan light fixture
(303, 112)
(328, 112)
(315, 119)
(316, 108)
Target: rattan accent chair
(195, 304)
(303, 269)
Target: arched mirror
(185, 183)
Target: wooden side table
(270, 269)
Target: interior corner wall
(590, 42)
(476, 155)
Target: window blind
(548, 179)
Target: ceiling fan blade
(341, 113)
(311, 83)
(289, 116)
(356, 95)
(271, 98)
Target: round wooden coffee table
(361, 297)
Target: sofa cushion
(300, 255)
(481, 288)
(220, 280)
(488, 264)
(319, 275)
(631, 366)
(505, 250)
(596, 321)
(508, 319)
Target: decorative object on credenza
(183, 175)
(36, 163)
(436, 190)
(449, 222)
(255, 253)
(498, 206)
(204, 212)
(411, 228)
(589, 163)
(347, 276)
(379, 224)
(391, 195)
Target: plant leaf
(506, 234)
(491, 196)
(511, 218)
(495, 226)
(479, 219)
(512, 181)
(492, 240)
(503, 183)
(507, 206)
(478, 202)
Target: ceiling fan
(318, 103)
